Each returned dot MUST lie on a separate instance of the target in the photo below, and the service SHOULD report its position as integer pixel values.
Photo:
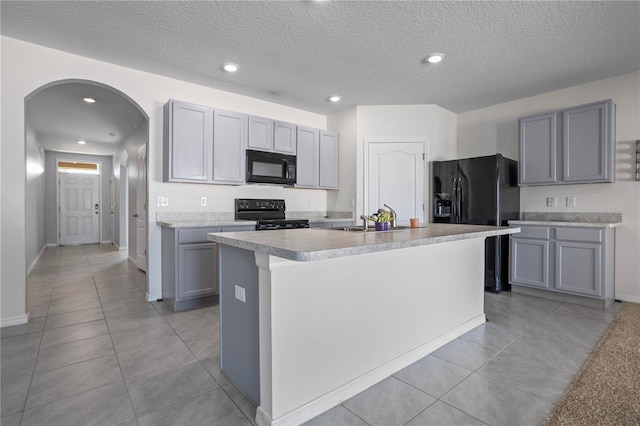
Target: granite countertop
(204, 223)
(317, 244)
(212, 219)
(593, 220)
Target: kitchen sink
(371, 229)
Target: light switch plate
(571, 200)
(551, 201)
(163, 201)
(203, 201)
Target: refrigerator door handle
(459, 200)
(454, 213)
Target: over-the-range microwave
(270, 167)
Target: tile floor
(95, 352)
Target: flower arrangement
(381, 219)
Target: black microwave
(270, 167)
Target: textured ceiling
(298, 53)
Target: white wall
(432, 123)
(35, 198)
(26, 67)
(345, 123)
(495, 129)
(136, 140)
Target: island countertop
(318, 244)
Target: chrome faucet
(394, 216)
(365, 222)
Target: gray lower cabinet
(566, 261)
(575, 145)
(190, 267)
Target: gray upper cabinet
(538, 149)
(575, 145)
(284, 138)
(230, 141)
(328, 160)
(188, 139)
(272, 136)
(588, 143)
(260, 133)
(308, 157)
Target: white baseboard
(33, 264)
(132, 260)
(329, 400)
(106, 242)
(152, 297)
(53, 245)
(118, 247)
(17, 320)
(628, 298)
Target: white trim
(33, 264)
(341, 394)
(118, 247)
(132, 260)
(627, 298)
(153, 297)
(106, 242)
(17, 320)
(53, 245)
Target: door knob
(135, 215)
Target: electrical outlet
(163, 201)
(240, 294)
(571, 200)
(551, 201)
(203, 201)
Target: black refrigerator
(480, 191)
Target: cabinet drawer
(189, 236)
(536, 232)
(579, 234)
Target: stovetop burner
(270, 214)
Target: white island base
(329, 329)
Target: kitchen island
(311, 317)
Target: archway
(46, 102)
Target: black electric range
(268, 213)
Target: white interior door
(396, 177)
(79, 208)
(141, 210)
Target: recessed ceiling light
(230, 67)
(435, 58)
(89, 100)
(335, 98)
(81, 142)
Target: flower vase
(382, 226)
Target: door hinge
(424, 156)
(145, 252)
(422, 206)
